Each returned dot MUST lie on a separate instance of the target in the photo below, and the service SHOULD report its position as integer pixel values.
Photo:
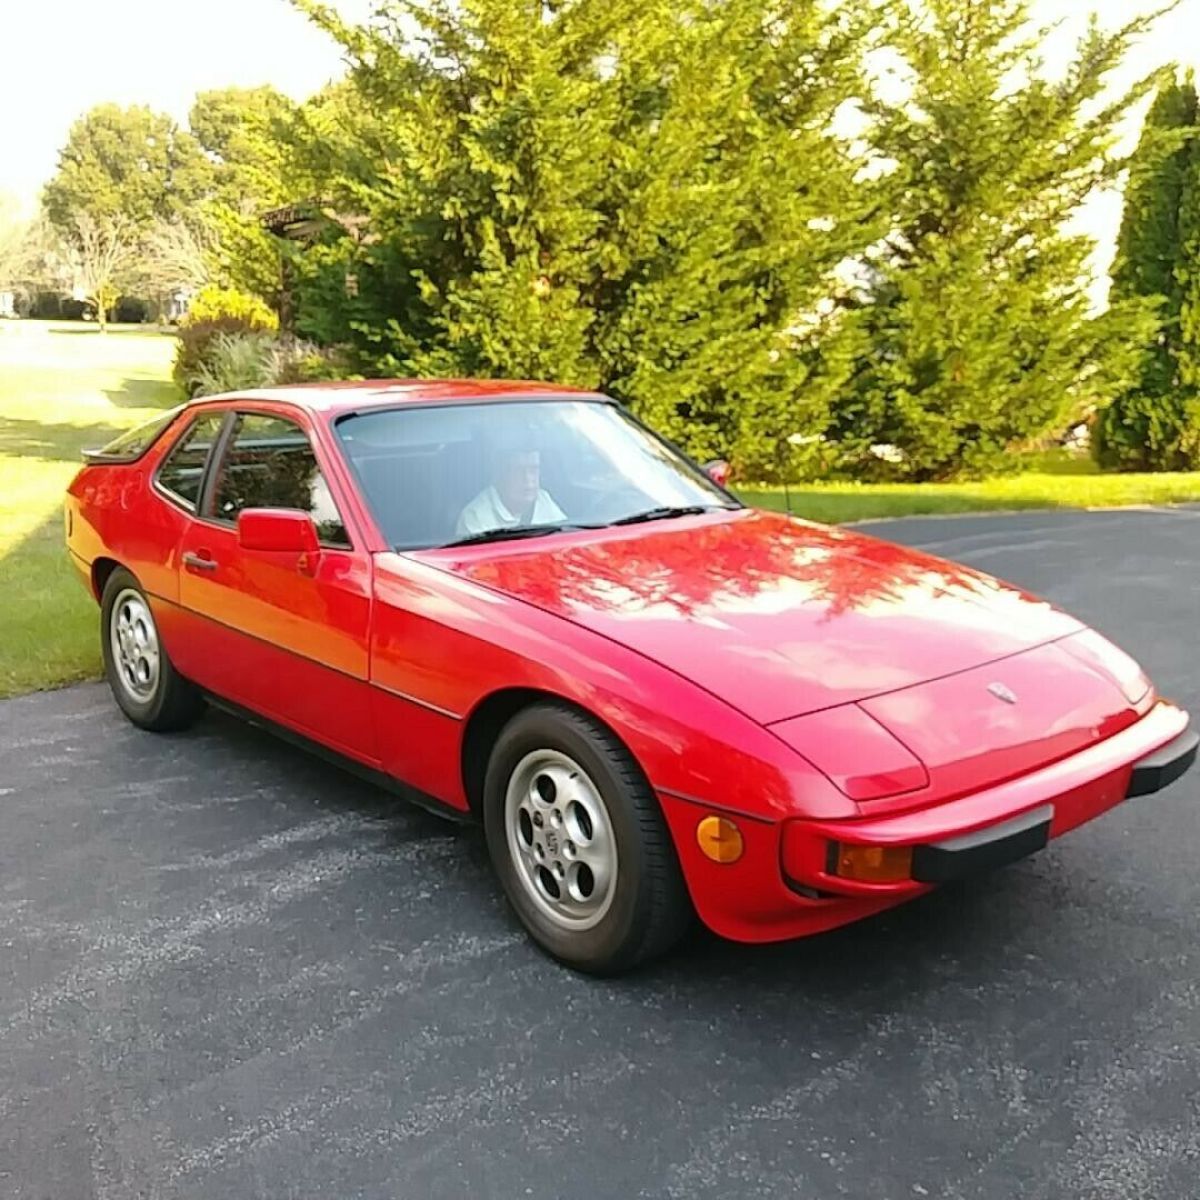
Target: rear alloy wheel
(579, 843)
(144, 684)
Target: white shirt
(488, 511)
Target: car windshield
(436, 476)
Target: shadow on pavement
(880, 963)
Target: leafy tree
(338, 140)
(975, 306)
(243, 131)
(130, 165)
(640, 195)
(246, 135)
(1146, 427)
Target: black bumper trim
(1165, 765)
(985, 849)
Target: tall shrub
(1187, 273)
(215, 313)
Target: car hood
(777, 616)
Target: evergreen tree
(1146, 426)
(639, 195)
(975, 308)
(1187, 278)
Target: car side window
(182, 471)
(269, 463)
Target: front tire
(144, 683)
(579, 843)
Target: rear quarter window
(133, 443)
(182, 471)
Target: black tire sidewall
(614, 942)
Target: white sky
(60, 57)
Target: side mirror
(283, 529)
(719, 471)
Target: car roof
(354, 395)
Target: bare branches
(174, 257)
(18, 247)
(91, 259)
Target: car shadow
(897, 944)
(872, 964)
(340, 788)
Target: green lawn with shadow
(59, 394)
(64, 387)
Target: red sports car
(518, 604)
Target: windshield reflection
(757, 563)
(437, 475)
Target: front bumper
(1165, 765)
(985, 850)
(997, 845)
(786, 883)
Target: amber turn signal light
(872, 864)
(720, 839)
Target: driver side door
(285, 633)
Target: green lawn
(62, 387)
(1070, 484)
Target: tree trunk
(101, 316)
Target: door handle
(199, 563)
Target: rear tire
(579, 843)
(144, 683)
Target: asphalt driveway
(228, 970)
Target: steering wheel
(593, 504)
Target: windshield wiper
(667, 511)
(504, 533)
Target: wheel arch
(486, 720)
(102, 569)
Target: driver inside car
(514, 497)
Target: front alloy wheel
(561, 839)
(579, 843)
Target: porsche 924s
(519, 604)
